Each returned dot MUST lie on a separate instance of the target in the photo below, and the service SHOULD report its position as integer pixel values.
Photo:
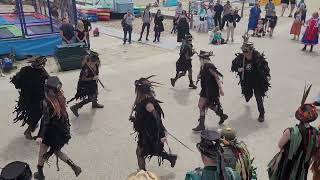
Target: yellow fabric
(264, 2)
(143, 175)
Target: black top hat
(205, 54)
(37, 61)
(210, 144)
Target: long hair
(140, 96)
(57, 102)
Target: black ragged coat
(258, 80)
(149, 129)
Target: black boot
(39, 175)
(173, 81)
(192, 86)
(201, 125)
(95, 104)
(316, 103)
(74, 109)
(172, 158)
(27, 133)
(77, 170)
(261, 118)
(311, 48)
(223, 117)
(304, 48)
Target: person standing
(179, 10)
(232, 19)
(202, 15)
(147, 122)
(297, 25)
(218, 8)
(29, 81)
(212, 159)
(297, 145)
(127, 23)
(54, 131)
(226, 11)
(254, 73)
(254, 17)
(80, 32)
(182, 26)
(210, 14)
(303, 8)
(67, 32)
(211, 90)
(146, 19)
(87, 29)
(311, 35)
(184, 62)
(292, 6)
(87, 90)
(284, 4)
(270, 9)
(158, 26)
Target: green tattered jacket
(211, 173)
(293, 161)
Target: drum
(16, 171)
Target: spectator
(270, 8)
(202, 15)
(210, 14)
(87, 29)
(158, 25)
(127, 23)
(284, 4)
(272, 22)
(182, 26)
(146, 19)
(311, 35)
(80, 32)
(292, 6)
(297, 24)
(218, 8)
(260, 30)
(216, 37)
(67, 32)
(254, 17)
(303, 8)
(232, 19)
(226, 11)
(179, 10)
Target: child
(272, 23)
(297, 24)
(260, 28)
(216, 37)
(96, 32)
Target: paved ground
(102, 143)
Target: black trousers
(223, 22)
(249, 92)
(217, 21)
(157, 35)
(127, 30)
(144, 25)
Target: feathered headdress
(144, 85)
(306, 112)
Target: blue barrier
(35, 46)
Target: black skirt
(57, 134)
(86, 89)
(183, 65)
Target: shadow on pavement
(182, 96)
(20, 149)
(82, 125)
(246, 124)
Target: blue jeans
(210, 23)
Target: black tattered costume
(256, 76)
(184, 62)
(87, 89)
(210, 90)
(54, 131)
(30, 82)
(148, 125)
